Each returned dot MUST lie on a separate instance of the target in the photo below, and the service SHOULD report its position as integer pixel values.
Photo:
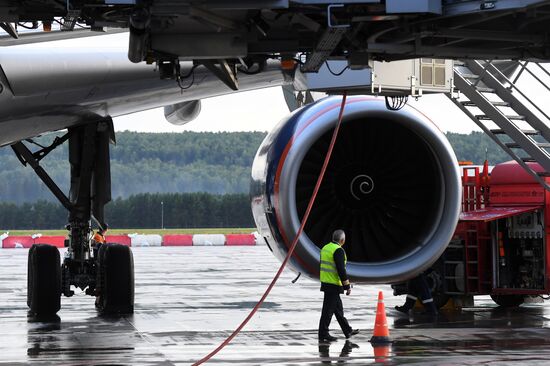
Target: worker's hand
(347, 286)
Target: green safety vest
(328, 272)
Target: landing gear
(44, 280)
(508, 301)
(109, 276)
(115, 279)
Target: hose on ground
(292, 247)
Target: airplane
(80, 91)
(399, 220)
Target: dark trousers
(332, 305)
(418, 287)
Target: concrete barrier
(140, 240)
(17, 242)
(177, 240)
(259, 239)
(118, 239)
(57, 241)
(2, 237)
(208, 239)
(240, 239)
(145, 240)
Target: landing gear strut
(110, 275)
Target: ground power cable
(292, 247)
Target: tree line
(202, 180)
(144, 211)
(217, 163)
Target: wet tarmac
(189, 299)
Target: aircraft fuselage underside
(318, 29)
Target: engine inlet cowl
(392, 185)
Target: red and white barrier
(145, 240)
(141, 240)
(57, 241)
(208, 239)
(17, 242)
(182, 240)
(240, 239)
(259, 239)
(2, 237)
(118, 239)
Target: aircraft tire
(508, 301)
(44, 279)
(115, 280)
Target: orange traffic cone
(381, 332)
(382, 353)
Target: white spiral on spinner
(361, 186)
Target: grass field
(142, 231)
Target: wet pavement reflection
(189, 299)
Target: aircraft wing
(46, 90)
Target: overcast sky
(256, 110)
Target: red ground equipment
(500, 244)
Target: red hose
(292, 247)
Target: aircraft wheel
(508, 301)
(115, 283)
(44, 279)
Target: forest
(201, 178)
(144, 211)
(216, 163)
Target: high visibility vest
(98, 238)
(328, 271)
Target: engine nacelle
(181, 113)
(392, 184)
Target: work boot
(352, 333)
(327, 338)
(408, 305)
(431, 309)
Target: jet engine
(392, 184)
(181, 113)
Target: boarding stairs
(488, 93)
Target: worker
(98, 240)
(418, 288)
(334, 281)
